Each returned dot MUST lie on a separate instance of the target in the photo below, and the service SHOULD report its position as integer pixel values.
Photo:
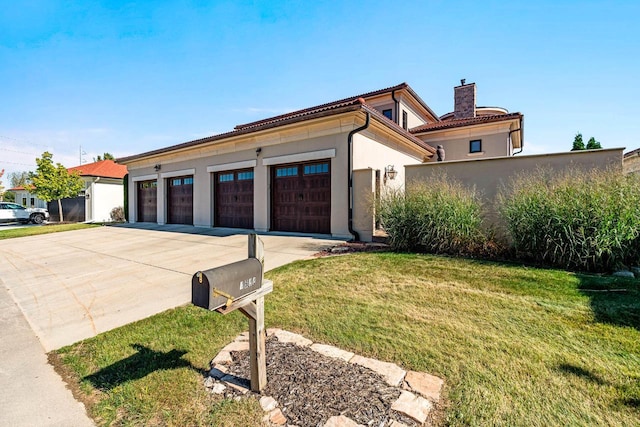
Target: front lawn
(515, 345)
(43, 229)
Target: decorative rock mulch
(320, 385)
(350, 247)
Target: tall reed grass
(441, 216)
(578, 220)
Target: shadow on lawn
(137, 366)
(581, 373)
(614, 300)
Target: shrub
(575, 220)
(117, 214)
(440, 216)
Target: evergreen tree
(592, 144)
(578, 144)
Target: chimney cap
(462, 82)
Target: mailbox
(219, 287)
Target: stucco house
(631, 161)
(103, 191)
(312, 170)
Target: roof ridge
(464, 122)
(339, 102)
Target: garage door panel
(234, 199)
(147, 201)
(301, 197)
(180, 200)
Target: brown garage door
(234, 199)
(148, 201)
(180, 200)
(301, 197)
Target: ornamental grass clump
(440, 216)
(576, 220)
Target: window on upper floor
(388, 114)
(405, 120)
(475, 146)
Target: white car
(13, 212)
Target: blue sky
(128, 77)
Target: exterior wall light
(389, 173)
(157, 167)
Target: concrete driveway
(77, 284)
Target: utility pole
(82, 153)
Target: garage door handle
(235, 198)
(300, 196)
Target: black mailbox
(219, 287)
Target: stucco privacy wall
(488, 175)
(364, 181)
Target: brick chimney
(464, 100)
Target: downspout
(521, 137)
(356, 236)
(396, 109)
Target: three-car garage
(299, 196)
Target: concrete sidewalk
(32, 392)
(60, 288)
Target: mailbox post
(239, 286)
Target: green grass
(45, 229)
(515, 345)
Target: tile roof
(338, 103)
(632, 153)
(337, 107)
(453, 123)
(103, 169)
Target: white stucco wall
(105, 194)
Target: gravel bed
(310, 387)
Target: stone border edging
(419, 390)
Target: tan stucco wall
(364, 181)
(495, 143)
(632, 164)
(488, 175)
(413, 118)
(371, 154)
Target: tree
(592, 144)
(19, 179)
(54, 182)
(105, 156)
(578, 144)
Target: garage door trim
(153, 176)
(300, 157)
(247, 164)
(175, 174)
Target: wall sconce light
(87, 195)
(157, 167)
(390, 173)
(258, 151)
